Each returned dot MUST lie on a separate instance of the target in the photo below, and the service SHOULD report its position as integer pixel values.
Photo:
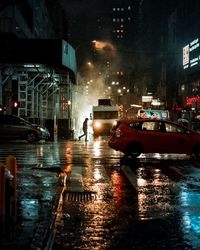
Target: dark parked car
(136, 136)
(14, 127)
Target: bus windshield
(105, 115)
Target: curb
(44, 235)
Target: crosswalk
(174, 170)
(56, 155)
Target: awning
(55, 53)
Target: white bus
(104, 117)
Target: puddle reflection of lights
(97, 174)
(150, 189)
(158, 156)
(117, 153)
(157, 177)
(141, 182)
(68, 154)
(97, 148)
(117, 182)
(140, 179)
(115, 177)
(40, 151)
(68, 150)
(190, 219)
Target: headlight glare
(97, 125)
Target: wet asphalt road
(106, 202)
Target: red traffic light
(15, 104)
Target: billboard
(154, 114)
(191, 55)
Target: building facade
(184, 65)
(37, 70)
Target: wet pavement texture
(37, 198)
(115, 220)
(151, 204)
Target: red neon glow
(190, 100)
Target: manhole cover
(79, 196)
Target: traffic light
(15, 104)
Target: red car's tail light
(118, 133)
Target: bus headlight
(97, 125)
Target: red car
(133, 137)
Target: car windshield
(136, 125)
(105, 114)
(27, 122)
(19, 121)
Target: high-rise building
(116, 23)
(184, 48)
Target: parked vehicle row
(13, 127)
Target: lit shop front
(190, 88)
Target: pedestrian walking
(85, 130)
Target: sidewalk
(36, 210)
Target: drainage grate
(79, 196)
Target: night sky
(78, 6)
(83, 16)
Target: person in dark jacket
(85, 130)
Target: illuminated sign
(190, 100)
(191, 54)
(147, 98)
(155, 102)
(186, 50)
(149, 113)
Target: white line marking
(130, 175)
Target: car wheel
(197, 152)
(32, 137)
(133, 150)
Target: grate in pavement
(79, 196)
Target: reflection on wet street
(104, 201)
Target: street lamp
(90, 65)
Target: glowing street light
(90, 65)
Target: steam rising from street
(93, 86)
(86, 95)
